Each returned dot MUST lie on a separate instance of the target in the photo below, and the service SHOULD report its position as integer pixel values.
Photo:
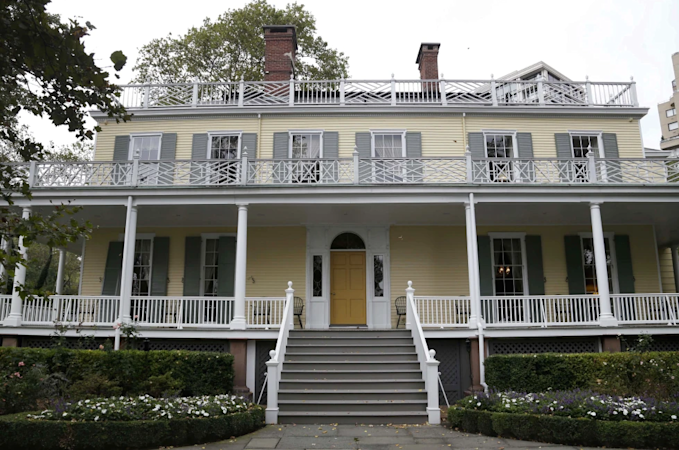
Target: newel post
(271, 414)
(32, 170)
(469, 163)
(433, 409)
(357, 171)
(633, 90)
(591, 166)
(541, 92)
(588, 91)
(244, 167)
(290, 300)
(291, 100)
(194, 97)
(393, 90)
(342, 97)
(241, 92)
(493, 88)
(444, 98)
(135, 172)
(410, 302)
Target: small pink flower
(21, 364)
(101, 347)
(116, 326)
(17, 374)
(136, 316)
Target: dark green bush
(17, 432)
(77, 374)
(564, 430)
(653, 374)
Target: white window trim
(515, 145)
(598, 134)
(672, 123)
(211, 134)
(610, 235)
(143, 236)
(674, 112)
(524, 262)
(203, 238)
(130, 152)
(315, 132)
(372, 266)
(388, 132)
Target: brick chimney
(427, 60)
(280, 52)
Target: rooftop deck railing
(349, 171)
(389, 92)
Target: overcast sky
(608, 40)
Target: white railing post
(15, 315)
(32, 173)
(357, 173)
(410, 300)
(291, 99)
(342, 95)
(444, 98)
(147, 96)
(591, 166)
(180, 315)
(541, 92)
(606, 318)
(633, 92)
(588, 91)
(241, 92)
(194, 97)
(493, 88)
(433, 409)
(393, 90)
(469, 165)
(271, 413)
(244, 167)
(135, 172)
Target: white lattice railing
(517, 170)
(637, 171)
(300, 171)
(412, 170)
(264, 312)
(82, 174)
(540, 310)
(379, 92)
(443, 311)
(5, 306)
(646, 308)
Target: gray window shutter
(574, 267)
(564, 150)
(249, 141)
(477, 148)
(161, 262)
(613, 172)
(536, 276)
(114, 266)
(364, 145)
(329, 173)
(485, 276)
(199, 152)
(168, 146)
(121, 148)
(524, 143)
(281, 142)
(414, 169)
(192, 265)
(227, 266)
(623, 255)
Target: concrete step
(351, 374)
(349, 385)
(349, 342)
(362, 417)
(355, 394)
(349, 357)
(351, 365)
(356, 348)
(352, 405)
(363, 334)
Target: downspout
(482, 357)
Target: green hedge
(655, 373)
(564, 430)
(17, 432)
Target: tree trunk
(45, 271)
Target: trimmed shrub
(565, 430)
(653, 374)
(84, 373)
(18, 432)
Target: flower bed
(131, 423)
(571, 417)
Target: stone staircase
(351, 376)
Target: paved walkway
(370, 437)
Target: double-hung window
(146, 148)
(305, 149)
(589, 265)
(671, 112)
(224, 153)
(581, 145)
(500, 149)
(388, 151)
(509, 277)
(141, 272)
(211, 267)
(673, 126)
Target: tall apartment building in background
(668, 113)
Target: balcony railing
(391, 92)
(345, 171)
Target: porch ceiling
(665, 216)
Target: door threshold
(349, 327)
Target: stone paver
(370, 437)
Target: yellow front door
(347, 288)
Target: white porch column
(4, 244)
(471, 265)
(238, 322)
(606, 318)
(14, 317)
(128, 261)
(60, 272)
(675, 265)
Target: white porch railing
(428, 364)
(542, 171)
(213, 172)
(264, 312)
(300, 171)
(275, 364)
(82, 174)
(5, 306)
(412, 170)
(544, 311)
(443, 311)
(390, 92)
(86, 311)
(646, 308)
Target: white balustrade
(544, 311)
(300, 171)
(5, 306)
(83, 174)
(69, 309)
(275, 364)
(179, 312)
(646, 308)
(412, 170)
(209, 172)
(318, 92)
(637, 171)
(443, 311)
(264, 312)
(266, 93)
(520, 170)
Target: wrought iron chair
(400, 304)
(298, 309)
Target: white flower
(96, 418)
(478, 404)
(103, 411)
(673, 417)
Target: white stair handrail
(275, 364)
(428, 364)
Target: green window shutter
(199, 152)
(161, 262)
(249, 141)
(281, 142)
(564, 150)
(113, 269)
(524, 143)
(192, 265)
(623, 255)
(168, 146)
(536, 276)
(227, 266)
(613, 170)
(415, 169)
(574, 267)
(476, 145)
(485, 277)
(364, 145)
(331, 144)
(121, 148)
